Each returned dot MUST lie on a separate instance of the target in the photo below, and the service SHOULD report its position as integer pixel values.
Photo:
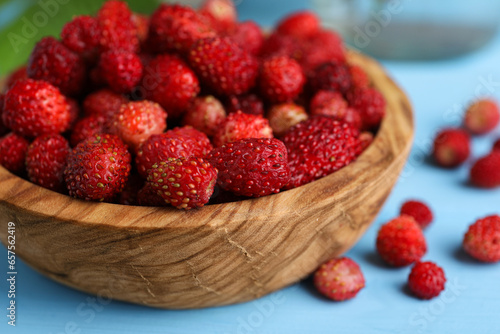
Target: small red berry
(283, 117)
(482, 240)
(299, 25)
(419, 211)
(221, 14)
(426, 280)
(118, 31)
(248, 36)
(281, 79)
(371, 105)
(85, 128)
(185, 183)
(248, 104)
(238, 126)
(103, 104)
(13, 150)
(451, 148)
(485, 173)
(320, 48)
(339, 279)
(334, 76)
(18, 74)
(496, 145)
(401, 242)
(482, 117)
(359, 77)
(82, 35)
(205, 114)
(46, 160)
(333, 104)
(121, 70)
(251, 167)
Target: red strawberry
(148, 196)
(251, 167)
(33, 108)
(122, 70)
(103, 104)
(238, 126)
(248, 104)
(82, 35)
(482, 117)
(141, 24)
(85, 128)
(182, 142)
(339, 279)
(401, 242)
(426, 280)
(248, 36)
(185, 183)
(171, 83)
(224, 66)
(332, 104)
(46, 160)
(118, 31)
(320, 48)
(3, 128)
(300, 25)
(334, 76)
(283, 117)
(359, 77)
(221, 14)
(18, 74)
(496, 145)
(451, 148)
(318, 147)
(74, 112)
(53, 62)
(282, 45)
(486, 171)
(370, 103)
(205, 114)
(281, 79)
(419, 211)
(13, 150)
(482, 240)
(98, 168)
(137, 121)
(174, 28)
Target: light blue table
(470, 304)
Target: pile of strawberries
(159, 110)
(452, 146)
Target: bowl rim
(47, 203)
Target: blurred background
(390, 29)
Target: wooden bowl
(217, 255)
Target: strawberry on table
(482, 117)
(426, 280)
(419, 211)
(482, 240)
(451, 148)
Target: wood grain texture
(220, 254)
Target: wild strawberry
(56, 64)
(359, 77)
(174, 28)
(251, 167)
(482, 240)
(426, 280)
(451, 148)
(332, 104)
(419, 211)
(185, 183)
(74, 112)
(82, 35)
(135, 122)
(401, 242)
(103, 104)
(249, 104)
(323, 47)
(318, 147)
(118, 31)
(221, 13)
(238, 126)
(85, 128)
(482, 117)
(46, 160)
(339, 279)
(13, 150)
(169, 82)
(485, 173)
(205, 114)
(141, 24)
(182, 142)
(281, 79)
(496, 145)
(98, 168)
(282, 45)
(248, 36)
(371, 105)
(334, 76)
(18, 74)
(122, 70)
(3, 128)
(148, 196)
(300, 25)
(33, 108)
(223, 66)
(283, 117)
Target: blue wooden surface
(470, 303)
